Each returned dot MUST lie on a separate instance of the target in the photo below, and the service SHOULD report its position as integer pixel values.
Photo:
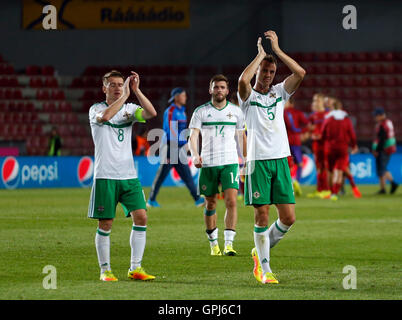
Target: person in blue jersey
(174, 144)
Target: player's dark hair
(271, 59)
(338, 104)
(113, 73)
(219, 77)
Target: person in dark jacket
(384, 145)
(54, 143)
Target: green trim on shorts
(268, 182)
(211, 177)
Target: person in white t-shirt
(220, 123)
(268, 179)
(115, 178)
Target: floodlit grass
(50, 227)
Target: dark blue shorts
(296, 154)
(381, 162)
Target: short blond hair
(113, 73)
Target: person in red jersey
(384, 145)
(338, 134)
(295, 122)
(316, 120)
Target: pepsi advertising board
(65, 172)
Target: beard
(219, 97)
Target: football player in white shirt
(220, 122)
(268, 178)
(115, 178)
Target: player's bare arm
(244, 85)
(293, 81)
(115, 106)
(149, 110)
(194, 136)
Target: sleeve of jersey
(244, 104)
(240, 123)
(281, 88)
(195, 122)
(94, 113)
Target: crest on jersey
(272, 95)
(209, 116)
(229, 115)
(256, 194)
(127, 115)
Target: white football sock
(102, 244)
(261, 241)
(276, 232)
(229, 236)
(213, 237)
(137, 242)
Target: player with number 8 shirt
(115, 177)
(219, 122)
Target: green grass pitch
(50, 227)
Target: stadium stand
(36, 98)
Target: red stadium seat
(374, 56)
(51, 82)
(17, 94)
(361, 69)
(58, 95)
(32, 70)
(47, 70)
(77, 83)
(362, 81)
(348, 69)
(388, 68)
(388, 56)
(49, 107)
(42, 94)
(334, 56)
(361, 56)
(321, 56)
(334, 69)
(348, 81)
(347, 56)
(374, 68)
(35, 82)
(65, 106)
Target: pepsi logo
(10, 173)
(85, 171)
(308, 170)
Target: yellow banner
(105, 14)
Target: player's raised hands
(126, 87)
(135, 81)
(271, 35)
(260, 48)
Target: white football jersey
(218, 131)
(266, 131)
(112, 139)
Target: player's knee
(288, 220)
(231, 203)
(140, 217)
(105, 224)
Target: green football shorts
(107, 193)
(211, 177)
(268, 182)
